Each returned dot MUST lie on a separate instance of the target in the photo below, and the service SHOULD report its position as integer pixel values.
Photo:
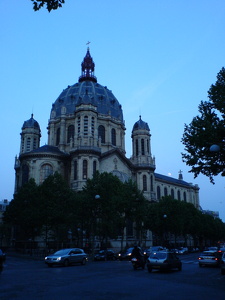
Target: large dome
(88, 91)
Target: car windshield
(158, 255)
(62, 252)
(208, 254)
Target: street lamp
(94, 212)
(214, 148)
(164, 231)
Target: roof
(48, 149)
(172, 180)
(141, 125)
(88, 91)
(31, 123)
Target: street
(25, 279)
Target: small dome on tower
(31, 123)
(140, 125)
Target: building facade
(86, 133)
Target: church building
(86, 133)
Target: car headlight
(59, 258)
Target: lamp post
(164, 230)
(94, 215)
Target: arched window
(85, 125)
(101, 133)
(28, 144)
(172, 193)
(178, 195)
(151, 183)
(147, 146)
(144, 183)
(113, 135)
(85, 167)
(142, 147)
(92, 126)
(25, 174)
(78, 125)
(34, 143)
(94, 167)
(136, 144)
(46, 170)
(22, 148)
(165, 192)
(158, 193)
(185, 197)
(70, 133)
(75, 170)
(57, 136)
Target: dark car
(2, 258)
(163, 260)
(105, 255)
(209, 258)
(222, 265)
(126, 254)
(66, 257)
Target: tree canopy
(206, 130)
(50, 4)
(103, 209)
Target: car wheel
(180, 268)
(114, 258)
(200, 265)
(149, 269)
(83, 261)
(50, 265)
(223, 271)
(66, 263)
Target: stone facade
(86, 133)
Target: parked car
(163, 260)
(2, 258)
(125, 255)
(222, 266)
(209, 258)
(182, 250)
(67, 257)
(105, 255)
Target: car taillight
(199, 258)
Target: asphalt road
(29, 279)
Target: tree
(23, 212)
(50, 4)
(57, 206)
(206, 130)
(99, 214)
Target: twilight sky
(159, 58)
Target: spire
(87, 68)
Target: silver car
(67, 257)
(209, 258)
(163, 260)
